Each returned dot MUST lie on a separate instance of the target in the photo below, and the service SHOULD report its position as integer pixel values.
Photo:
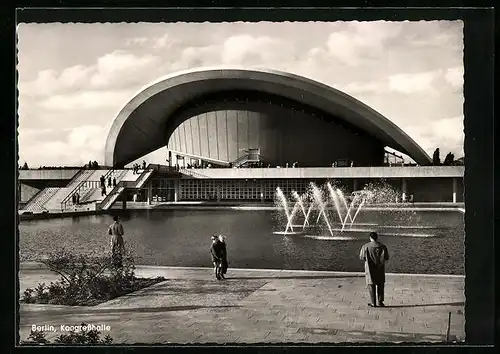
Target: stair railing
(115, 188)
(83, 185)
(115, 191)
(242, 159)
(190, 172)
(142, 176)
(78, 174)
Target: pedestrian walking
(375, 255)
(216, 253)
(224, 264)
(115, 230)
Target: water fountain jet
(335, 201)
(284, 203)
(299, 200)
(321, 205)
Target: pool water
(430, 242)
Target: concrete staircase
(84, 188)
(129, 179)
(90, 190)
(36, 205)
(91, 195)
(111, 199)
(143, 178)
(83, 175)
(54, 204)
(87, 184)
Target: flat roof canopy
(145, 121)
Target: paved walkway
(261, 306)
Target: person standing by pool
(216, 252)
(375, 255)
(115, 230)
(223, 268)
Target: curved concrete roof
(140, 127)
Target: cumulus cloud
(110, 70)
(162, 41)
(246, 49)
(356, 88)
(361, 41)
(87, 100)
(53, 147)
(455, 76)
(411, 83)
(136, 40)
(447, 134)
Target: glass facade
(162, 190)
(238, 189)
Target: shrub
(36, 337)
(28, 296)
(86, 279)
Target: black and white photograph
(241, 182)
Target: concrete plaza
(263, 306)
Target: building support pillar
(455, 190)
(124, 199)
(404, 190)
(176, 190)
(261, 192)
(354, 185)
(150, 192)
(218, 193)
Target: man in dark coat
(375, 255)
(216, 252)
(224, 265)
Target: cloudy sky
(74, 78)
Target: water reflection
(182, 238)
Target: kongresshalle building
(235, 135)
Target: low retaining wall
(235, 206)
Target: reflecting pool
(430, 242)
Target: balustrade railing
(83, 185)
(247, 158)
(121, 185)
(192, 173)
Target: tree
(25, 166)
(459, 161)
(449, 159)
(436, 160)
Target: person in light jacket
(375, 255)
(115, 230)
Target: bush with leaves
(85, 336)
(36, 337)
(86, 279)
